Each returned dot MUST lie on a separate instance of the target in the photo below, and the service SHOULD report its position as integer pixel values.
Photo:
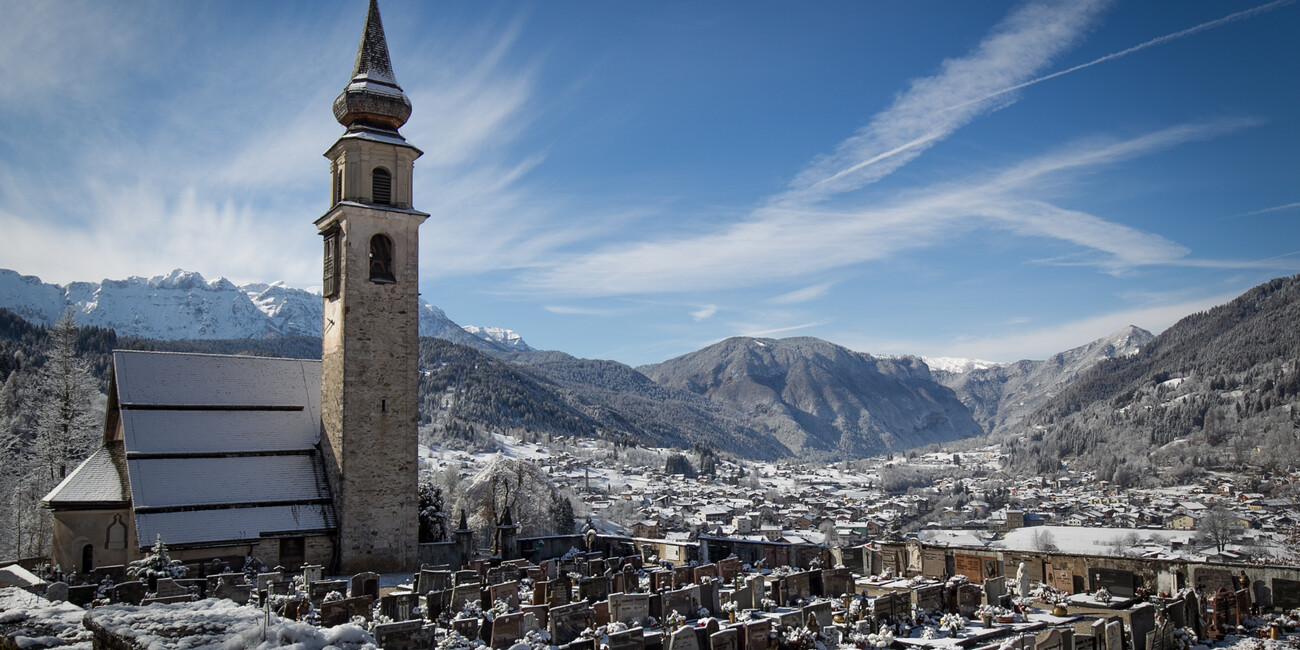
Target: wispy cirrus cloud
(704, 312)
(777, 243)
(802, 295)
(934, 107)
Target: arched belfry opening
(381, 259)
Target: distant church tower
(369, 370)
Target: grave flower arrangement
(1102, 595)
(455, 641)
(499, 608)
(952, 623)
(929, 632)
(768, 604)
(882, 639)
(538, 639)
(800, 638)
(674, 620)
(731, 607)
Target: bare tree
(1043, 540)
(1217, 526)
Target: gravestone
(131, 592)
(593, 589)
(568, 621)
(705, 571)
(1141, 620)
(506, 630)
(341, 611)
(629, 608)
(405, 635)
(681, 576)
(600, 612)
(1176, 613)
(582, 644)
(435, 603)
(657, 607)
(431, 580)
(821, 610)
(461, 594)
(56, 592)
(708, 589)
(1085, 642)
(928, 598)
(507, 591)
(729, 568)
(168, 588)
(312, 572)
(723, 640)
(264, 579)
(1098, 630)
(1119, 583)
(631, 581)
(273, 588)
(321, 588)
(82, 595)
(798, 586)
(756, 634)
(891, 606)
(1050, 640)
(365, 583)
(789, 618)
(994, 590)
(683, 638)
(530, 622)
(633, 639)
(1193, 609)
(969, 599)
(1286, 594)
(464, 577)
(777, 592)
(837, 582)
(539, 615)
(398, 607)
(682, 601)
(468, 626)
(1114, 635)
(743, 597)
(1242, 598)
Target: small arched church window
(382, 186)
(381, 259)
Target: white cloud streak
(1160, 40)
(1020, 46)
(704, 312)
(802, 295)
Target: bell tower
(369, 364)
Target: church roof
(96, 482)
(221, 449)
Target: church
(290, 461)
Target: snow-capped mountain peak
(501, 336)
(958, 365)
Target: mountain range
(761, 398)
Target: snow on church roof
(94, 481)
(221, 449)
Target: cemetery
(619, 595)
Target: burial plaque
(684, 639)
(506, 630)
(633, 639)
(404, 635)
(629, 608)
(1286, 594)
(1118, 583)
(568, 621)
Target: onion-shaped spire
(373, 98)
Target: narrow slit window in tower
(330, 278)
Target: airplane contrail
(1160, 40)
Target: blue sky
(635, 181)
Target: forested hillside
(1219, 387)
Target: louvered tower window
(382, 185)
(330, 278)
(381, 259)
(338, 186)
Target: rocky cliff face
(820, 399)
(1001, 396)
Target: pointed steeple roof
(372, 98)
(372, 55)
